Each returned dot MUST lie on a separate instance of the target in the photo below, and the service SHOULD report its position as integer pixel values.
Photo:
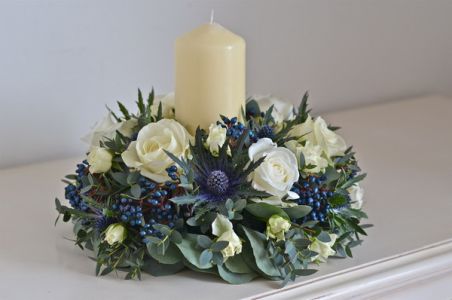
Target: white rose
(168, 104)
(277, 173)
(216, 138)
(356, 195)
(115, 233)
(304, 131)
(312, 155)
(99, 160)
(223, 229)
(277, 226)
(106, 129)
(323, 249)
(281, 109)
(318, 133)
(147, 152)
(332, 143)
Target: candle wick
(212, 14)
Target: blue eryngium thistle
(217, 181)
(224, 176)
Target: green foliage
(264, 211)
(190, 242)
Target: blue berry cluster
(235, 129)
(82, 169)
(266, 131)
(313, 192)
(156, 207)
(130, 211)
(72, 191)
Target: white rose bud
(304, 131)
(115, 233)
(147, 153)
(312, 155)
(356, 195)
(324, 250)
(216, 138)
(277, 173)
(168, 103)
(223, 229)
(106, 129)
(99, 160)
(332, 143)
(318, 133)
(277, 226)
(281, 109)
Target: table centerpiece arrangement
(208, 180)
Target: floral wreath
(269, 194)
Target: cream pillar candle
(210, 76)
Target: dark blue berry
(266, 132)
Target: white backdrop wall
(62, 61)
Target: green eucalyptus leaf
(204, 241)
(229, 204)
(176, 237)
(172, 254)
(236, 264)
(331, 174)
(217, 258)
(301, 243)
(305, 272)
(264, 211)
(235, 278)
(135, 191)
(324, 237)
(240, 204)
(257, 242)
(132, 178)
(219, 246)
(298, 212)
(120, 178)
(182, 200)
(153, 267)
(191, 251)
(206, 257)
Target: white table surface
(405, 147)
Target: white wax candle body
(210, 76)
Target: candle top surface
(212, 34)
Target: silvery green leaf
(257, 241)
(182, 200)
(235, 278)
(264, 211)
(305, 272)
(297, 212)
(218, 246)
(206, 257)
(135, 191)
(236, 264)
(240, 204)
(171, 256)
(324, 237)
(204, 241)
(191, 252)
